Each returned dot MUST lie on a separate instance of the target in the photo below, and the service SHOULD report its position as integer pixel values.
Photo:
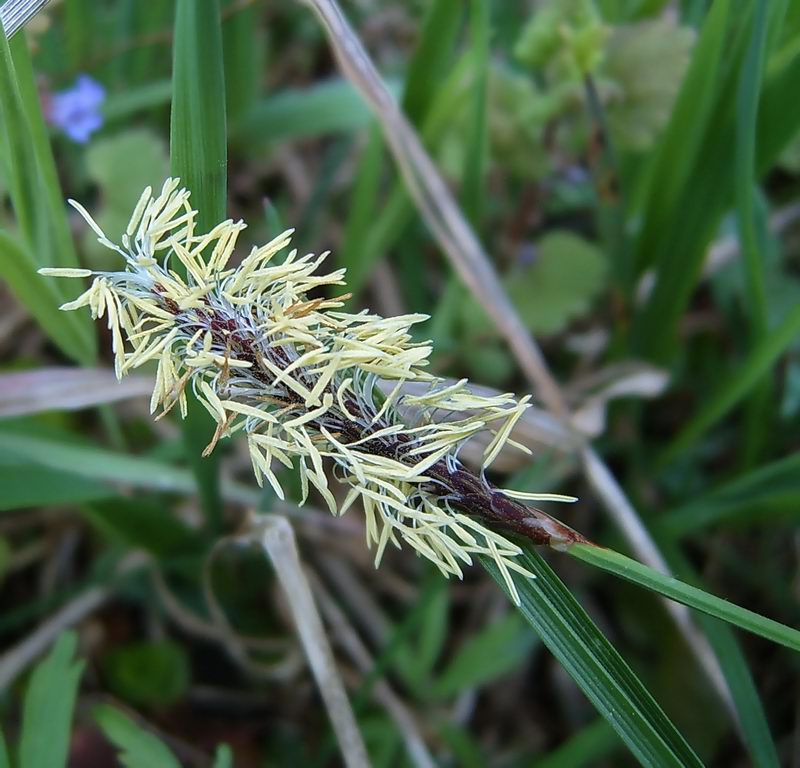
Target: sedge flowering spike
(309, 384)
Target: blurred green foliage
(632, 168)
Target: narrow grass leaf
(477, 140)
(110, 466)
(21, 167)
(198, 144)
(224, 757)
(637, 573)
(596, 667)
(672, 161)
(397, 213)
(362, 210)
(48, 707)
(757, 364)
(330, 107)
(243, 48)
(41, 298)
(53, 205)
(752, 718)
(198, 153)
(495, 651)
(773, 486)
(431, 57)
(25, 486)
(122, 105)
(746, 118)
(137, 747)
(370, 236)
(5, 762)
(589, 746)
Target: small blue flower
(76, 110)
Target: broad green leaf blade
(49, 703)
(198, 153)
(735, 387)
(670, 587)
(137, 748)
(771, 486)
(596, 667)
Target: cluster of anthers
(307, 382)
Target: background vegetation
(629, 169)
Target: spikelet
(301, 378)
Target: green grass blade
(49, 703)
(431, 58)
(21, 165)
(38, 206)
(734, 388)
(637, 573)
(733, 664)
(596, 667)
(223, 757)
(668, 171)
(40, 297)
(363, 206)
(242, 47)
(198, 154)
(587, 747)
(63, 254)
(746, 117)
(397, 212)
(124, 104)
(778, 114)
(699, 202)
(494, 651)
(137, 747)
(5, 762)
(109, 466)
(772, 486)
(371, 233)
(198, 144)
(291, 114)
(27, 486)
(477, 142)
